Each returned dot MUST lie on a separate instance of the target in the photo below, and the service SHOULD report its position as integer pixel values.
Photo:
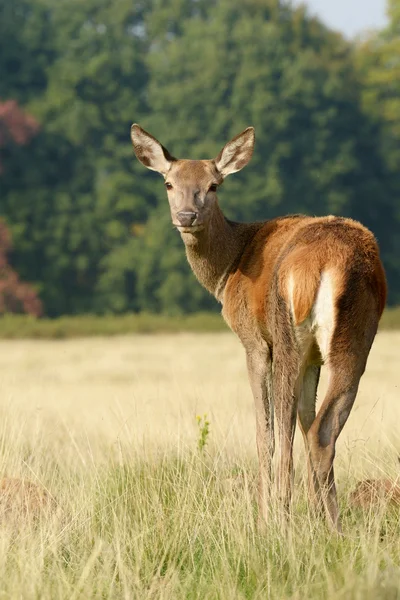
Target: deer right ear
(236, 154)
(149, 151)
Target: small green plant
(204, 431)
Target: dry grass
(107, 427)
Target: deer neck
(215, 252)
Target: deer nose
(186, 218)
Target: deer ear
(149, 151)
(237, 153)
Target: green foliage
(378, 65)
(91, 227)
(21, 326)
(25, 327)
(203, 425)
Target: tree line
(91, 228)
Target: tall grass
(144, 511)
(181, 526)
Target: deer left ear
(237, 153)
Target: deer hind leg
(324, 432)
(306, 415)
(344, 347)
(286, 369)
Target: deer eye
(168, 185)
(213, 187)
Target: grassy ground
(108, 426)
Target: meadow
(107, 425)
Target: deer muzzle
(187, 218)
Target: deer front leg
(259, 370)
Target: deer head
(192, 184)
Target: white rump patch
(323, 314)
(290, 292)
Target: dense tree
(16, 129)
(26, 48)
(273, 67)
(81, 192)
(90, 227)
(378, 58)
(378, 66)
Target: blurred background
(147, 442)
(86, 229)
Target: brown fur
(20, 498)
(250, 268)
(303, 247)
(372, 492)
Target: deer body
(300, 292)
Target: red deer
(20, 498)
(373, 492)
(299, 292)
(370, 493)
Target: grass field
(108, 427)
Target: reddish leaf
(15, 296)
(16, 127)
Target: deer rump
(323, 273)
